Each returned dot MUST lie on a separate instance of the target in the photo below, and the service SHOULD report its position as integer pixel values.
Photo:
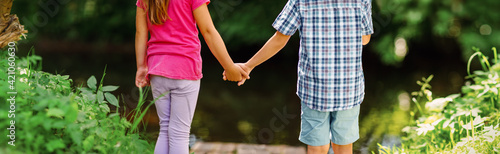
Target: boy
(330, 74)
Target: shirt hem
(175, 77)
(331, 109)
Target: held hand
(366, 39)
(234, 73)
(140, 77)
(246, 69)
(241, 74)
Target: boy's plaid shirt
(330, 73)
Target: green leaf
(77, 137)
(101, 133)
(88, 143)
(59, 124)
(111, 99)
(55, 112)
(100, 96)
(109, 88)
(105, 108)
(55, 144)
(65, 77)
(92, 83)
(72, 114)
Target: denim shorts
(318, 128)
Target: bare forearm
(140, 49)
(216, 44)
(273, 46)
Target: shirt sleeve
(140, 4)
(367, 17)
(197, 3)
(288, 21)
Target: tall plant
(467, 122)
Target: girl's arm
(141, 38)
(216, 44)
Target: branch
(5, 7)
(12, 32)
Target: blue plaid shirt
(330, 73)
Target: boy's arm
(216, 44)
(366, 39)
(273, 46)
(367, 21)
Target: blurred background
(413, 39)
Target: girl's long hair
(157, 10)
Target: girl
(170, 61)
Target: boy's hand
(245, 68)
(140, 77)
(234, 73)
(366, 39)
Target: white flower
(406, 129)
(23, 71)
(471, 150)
(424, 128)
(474, 112)
(465, 140)
(118, 145)
(437, 105)
(461, 143)
(490, 133)
(431, 119)
(428, 93)
(477, 122)
(476, 87)
(23, 80)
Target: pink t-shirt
(174, 47)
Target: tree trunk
(10, 28)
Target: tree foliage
(448, 25)
(441, 24)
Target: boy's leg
(315, 130)
(342, 149)
(344, 129)
(323, 149)
(159, 88)
(183, 105)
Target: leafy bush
(53, 117)
(459, 123)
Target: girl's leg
(160, 88)
(183, 104)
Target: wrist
(142, 66)
(249, 65)
(229, 66)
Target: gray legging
(175, 109)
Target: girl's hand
(140, 77)
(245, 68)
(235, 73)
